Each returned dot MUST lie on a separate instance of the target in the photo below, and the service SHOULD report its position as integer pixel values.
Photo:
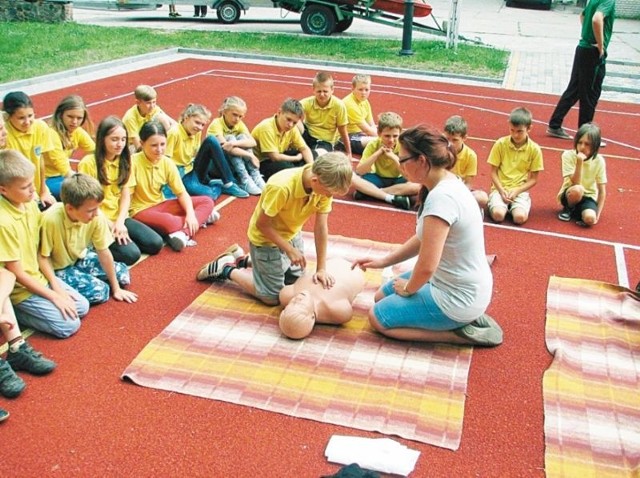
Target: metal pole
(407, 28)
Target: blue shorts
(418, 311)
(583, 205)
(383, 182)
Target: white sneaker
(213, 217)
(258, 179)
(250, 186)
(178, 240)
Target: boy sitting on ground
(69, 228)
(361, 127)
(144, 110)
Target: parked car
(545, 4)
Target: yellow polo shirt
(288, 204)
(269, 139)
(181, 147)
(358, 112)
(64, 241)
(150, 179)
(32, 144)
(133, 120)
(384, 166)
(19, 241)
(514, 164)
(219, 128)
(322, 122)
(593, 173)
(110, 207)
(467, 163)
(56, 162)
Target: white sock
(16, 345)
(389, 198)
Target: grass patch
(33, 49)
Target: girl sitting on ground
(237, 143)
(111, 166)
(72, 130)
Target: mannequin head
(298, 317)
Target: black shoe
(401, 202)
(28, 359)
(358, 196)
(558, 133)
(3, 415)
(10, 384)
(565, 215)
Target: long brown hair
(106, 127)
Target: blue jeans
(54, 183)
(194, 187)
(41, 314)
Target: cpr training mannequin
(307, 302)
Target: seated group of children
(146, 179)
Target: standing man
(587, 74)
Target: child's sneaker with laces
(10, 384)
(401, 202)
(250, 186)
(214, 270)
(28, 359)
(565, 215)
(178, 240)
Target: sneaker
(30, 360)
(483, 331)
(358, 196)
(177, 240)
(258, 179)
(235, 190)
(10, 384)
(401, 202)
(213, 217)
(243, 262)
(3, 415)
(558, 133)
(603, 143)
(565, 215)
(250, 187)
(214, 270)
(234, 250)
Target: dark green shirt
(608, 9)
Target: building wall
(627, 8)
(35, 11)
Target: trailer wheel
(318, 20)
(342, 25)
(228, 12)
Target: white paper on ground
(377, 454)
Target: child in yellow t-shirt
(277, 257)
(279, 144)
(144, 110)
(378, 172)
(325, 117)
(72, 129)
(69, 229)
(41, 300)
(361, 127)
(237, 143)
(516, 161)
(31, 136)
(466, 167)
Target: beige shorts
(523, 201)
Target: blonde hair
(334, 171)
(360, 78)
(194, 109)
(78, 187)
(389, 120)
(232, 102)
(297, 318)
(14, 165)
(145, 93)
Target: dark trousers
(143, 240)
(585, 86)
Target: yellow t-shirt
(33, 144)
(466, 164)
(358, 112)
(110, 207)
(514, 164)
(593, 173)
(322, 122)
(219, 128)
(64, 241)
(270, 140)
(285, 200)
(56, 162)
(384, 166)
(150, 178)
(133, 120)
(19, 241)
(181, 147)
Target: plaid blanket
(592, 388)
(227, 346)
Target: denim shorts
(418, 311)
